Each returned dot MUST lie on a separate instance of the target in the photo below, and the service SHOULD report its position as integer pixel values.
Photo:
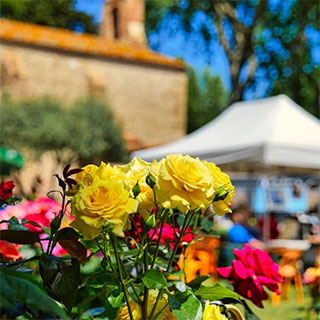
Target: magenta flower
(252, 269)
(170, 234)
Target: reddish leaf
(73, 171)
(66, 169)
(68, 239)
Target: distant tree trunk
(243, 51)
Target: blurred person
(269, 219)
(241, 231)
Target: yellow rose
(183, 182)
(222, 186)
(166, 314)
(102, 201)
(212, 312)
(136, 171)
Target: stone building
(146, 91)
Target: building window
(115, 18)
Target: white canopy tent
(271, 132)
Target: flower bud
(151, 221)
(136, 190)
(151, 180)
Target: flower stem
(138, 299)
(159, 238)
(186, 222)
(124, 287)
(146, 290)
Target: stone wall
(148, 101)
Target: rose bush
(134, 220)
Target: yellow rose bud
(212, 312)
(135, 171)
(223, 187)
(102, 201)
(183, 182)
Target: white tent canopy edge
(268, 132)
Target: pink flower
(252, 269)
(168, 235)
(41, 211)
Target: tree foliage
(261, 39)
(206, 98)
(87, 129)
(56, 13)
(291, 66)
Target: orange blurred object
(200, 258)
(290, 270)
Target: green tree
(206, 98)
(52, 13)
(291, 65)
(85, 132)
(258, 37)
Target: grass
(287, 310)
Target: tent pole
(266, 218)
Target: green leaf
(195, 283)
(176, 300)
(61, 277)
(104, 278)
(216, 292)
(45, 229)
(14, 224)
(206, 224)
(154, 279)
(116, 299)
(19, 236)
(17, 287)
(189, 310)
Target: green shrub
(87, 129)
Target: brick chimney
(124, 20)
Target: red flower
(6, 189)
(250, 271)
(9, 250)
(168, 235)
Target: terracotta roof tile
(82, 43)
